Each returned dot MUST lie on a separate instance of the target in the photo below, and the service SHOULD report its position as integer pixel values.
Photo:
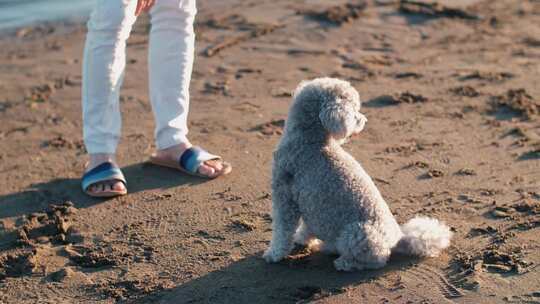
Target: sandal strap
(105, 172)
(193, 157)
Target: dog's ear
(338, 118)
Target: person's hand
(143, 6)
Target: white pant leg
(172, 44)
(103, 70)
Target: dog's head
(330, 104)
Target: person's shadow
(140, 177)
(252, 280)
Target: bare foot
(108, 186)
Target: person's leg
(172, 46)
(103, 70)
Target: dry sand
(452, 97)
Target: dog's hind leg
(328, 247)
(285, 219)
(361, 246)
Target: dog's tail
(423, 237)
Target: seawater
(18, 13)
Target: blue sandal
(105, 172)
(191, 160)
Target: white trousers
(170, 59)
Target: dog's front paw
(271, 256)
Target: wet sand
(453, 102)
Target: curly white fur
(322, 195)
(423, 236)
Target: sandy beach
(452, 94)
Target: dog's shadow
(140, 177)
(252, 280)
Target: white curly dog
(321, 193)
